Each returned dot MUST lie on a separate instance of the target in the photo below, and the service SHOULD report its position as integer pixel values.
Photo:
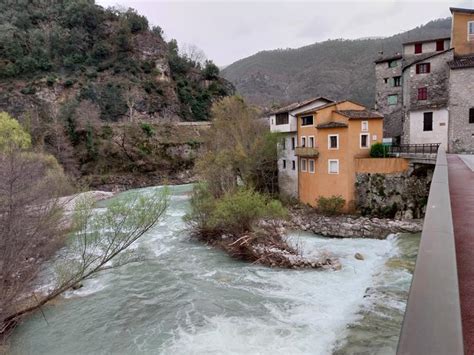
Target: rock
(359, 256)
(408, 214)
(77, 286)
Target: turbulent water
(186, 298)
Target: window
(364, 140)
(397, 81)
(284, 163)
(306, 120)
(311, 142)
(418, 48)
(293, 165)
(364, 126)
(440, 45)
(283, 143)
(392, 99)
(422, 93)
(333, 141)
(303, 142)
(471, 115)
(423, 68)
(293, 143)
(470, 30)
(303, 164)
(392, 63)
(427, 121)
(311, 165)
(282, 118)
(333, 166)
(385, 80)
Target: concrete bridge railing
(432, 322)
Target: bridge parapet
(432, 322)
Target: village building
(330, 140)
(425, 93)
(283, 121)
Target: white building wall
(439, 134)
(288, 177)
(426, 47)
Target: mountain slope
(335, 68)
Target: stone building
(388, 99)
(428, 98)
(283, 120)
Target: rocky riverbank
(347, 226)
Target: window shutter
(428, 67)
(418, 68)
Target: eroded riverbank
(190, 298)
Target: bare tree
(33, 227)
(87, 114)
(131, 95)
(30, 218)
(193, 53)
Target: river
(187, 298)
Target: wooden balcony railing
(306, 152)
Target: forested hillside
(335, 68)
(78, 76)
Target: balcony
(306, 152)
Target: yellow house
(462, 32)
(330, 139)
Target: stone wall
(461, 99)
(399, 195)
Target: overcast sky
(230, 30)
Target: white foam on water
(307, 311)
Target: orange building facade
(330, 139)
(462, 33)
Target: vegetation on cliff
(70, 70)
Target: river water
(187, 298)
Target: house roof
(299, 104)
(359, 114)
(462, 62)
(388, 59)
(331, 125)
(421, 58)
(458, 9)
(313, 110)
(426, 40)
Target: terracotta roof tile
(297, 105)
(355, 114)
(462, 62)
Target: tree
(239, 149)
(210, 71)
(131, 96)
(33, 228)
(193, 53)
(12, 135)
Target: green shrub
(147, 129)
(234, 213)
(50, 80)
(237, 212)
(378, 150)
(331, 205)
